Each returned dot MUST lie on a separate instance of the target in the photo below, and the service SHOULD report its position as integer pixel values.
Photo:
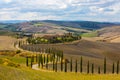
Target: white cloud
(59, 9)
(7, 1)
(44, 4)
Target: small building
(27, 34)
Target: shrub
(18, 51)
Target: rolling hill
(43, 27)
(49, 26)
(90, 25)
(111, 34)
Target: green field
(26, 73)
(10, 73)
(38, 24)
(91, 34)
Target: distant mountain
(90, 25)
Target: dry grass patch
(7, 43)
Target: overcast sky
(90, 10)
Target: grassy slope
(10, 73)
(90, 34)
(25, 73)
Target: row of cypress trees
(44, 60)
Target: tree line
(44, 61)
(68, 37)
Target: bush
(18, 51)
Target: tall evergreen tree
(92, 68)
(81, 64)
(47, 62)
(88, 67)
(39, 60)
(71, 65)
(27, 61)
(56, 66)
(117, 67)
(61, 65)
(53, 65)
(104, 65)
(44, 59)
(113, 70)
(99, 70)
(76, 66)
(31, 61)
(65, 65)
(36, 58)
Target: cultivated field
(7, 43)
(116, 40)
(93, 51)
(110, 34)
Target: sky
(87, 10)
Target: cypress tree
(88, 67)
(56, 66)
(104, 65)
(71, 65)
(61, 65)
(65, 66)
(36, 58)
(27, 61)
(81, 63)
(39, 60)
(53, 65)
(92, 68)
(113, 66)
(117, 67)
(76, 66)
(44, 59)
(99, 70)
(47, 62)
(31, 61)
